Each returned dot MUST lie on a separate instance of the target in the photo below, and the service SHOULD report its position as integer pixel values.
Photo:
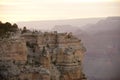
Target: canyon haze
(101, 38)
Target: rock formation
(42, 56)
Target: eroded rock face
(14, 50)
(42, 56)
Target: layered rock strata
(42, 56)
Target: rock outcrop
(13, 50)
(42, 56)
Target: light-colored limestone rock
(44, 56)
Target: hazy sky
(30, 10)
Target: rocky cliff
(42, 56)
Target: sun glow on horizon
(29, 10)
(91, 1)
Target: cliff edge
(42, 56)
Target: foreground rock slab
(42, 56)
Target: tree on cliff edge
(24, 29)
(7, 27)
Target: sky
(33, 10)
